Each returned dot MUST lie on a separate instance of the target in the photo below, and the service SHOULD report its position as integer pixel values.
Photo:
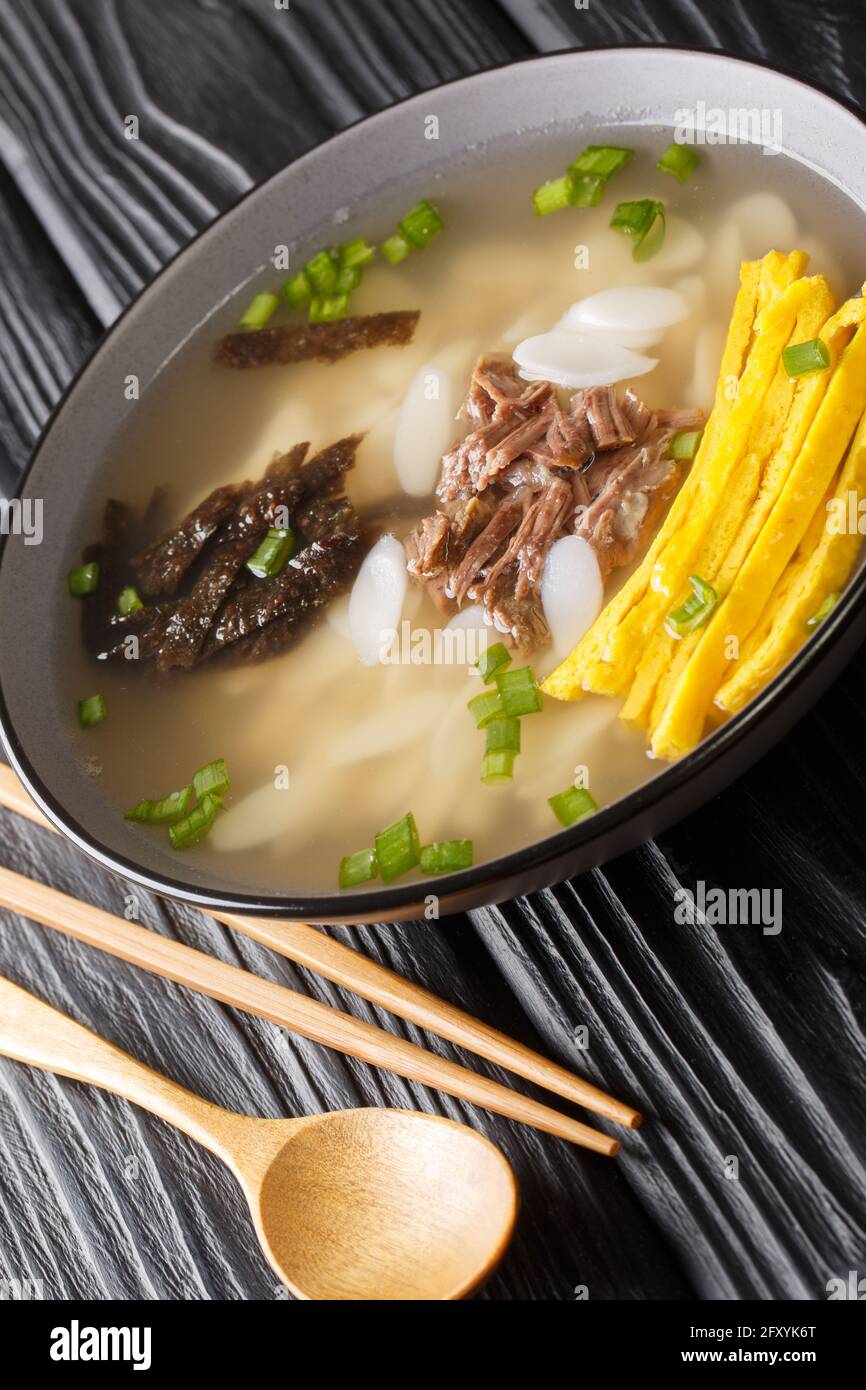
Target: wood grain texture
(735, 1044)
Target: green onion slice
(298, 291)
(502, 733)
(585, 190)
(485, 707)
(644, 222)
(679, 160)
(165, 811)
(260, 310)
(348, 279)
(572, 805)
(212, 779)
(321, 271)
(493, 659)
(359, 867)
(421, 224)
(92, 711)
(196, 825)
(396, 249)
(552, 196)
(83, 580)
(356, 253)
(601, 160)
(821, 613)
(696, 609)
(684, 444)
(518, 691)
(324, 309)
(445, 856)
(498, 766)
(128, 601)
(276, 547)
(800, 358)
(397, 848)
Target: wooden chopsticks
(347, 967)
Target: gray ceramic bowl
(567, 91)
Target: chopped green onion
(643, 221)
(92, 711)
(800, 358)
(128, 601)
(552, 196)
(397, 848)
(260, 310)
(298, 291)
(518, 691)
(166, 810)
(601, 160)
(493, 659)
(498, 766)
(485, 707)
(679, 160)
(325, 309)
(421, 224)
(348, 279)
(502, 733)
(321, 271)
(356, 253)
(445, 856)
(826, 608)
(693, 613)
(572, 805)
(212, 779)
(585, 190)
(396, 249)
(684, 444)
(196, 825)
(83, 580)
(272, 552)
(359, 867)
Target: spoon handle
(34, 1032)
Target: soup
(325, 744)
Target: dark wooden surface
(736, 1044)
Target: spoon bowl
(381, 1204)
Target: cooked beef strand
(531, 469)
(319, 342)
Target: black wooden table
(738, 1045)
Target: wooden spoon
(355, 1204)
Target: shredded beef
(533, 469)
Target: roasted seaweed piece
(262, 506)
(172, 634)
(161, 566)
(98, 608)
(321, 572)
(319, 342)
(253, 607)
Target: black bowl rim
(391, 901)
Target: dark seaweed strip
(320, 342)
(266, 600)
(161, 566)
(98, 608)
(188, 625)
(321, 572)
